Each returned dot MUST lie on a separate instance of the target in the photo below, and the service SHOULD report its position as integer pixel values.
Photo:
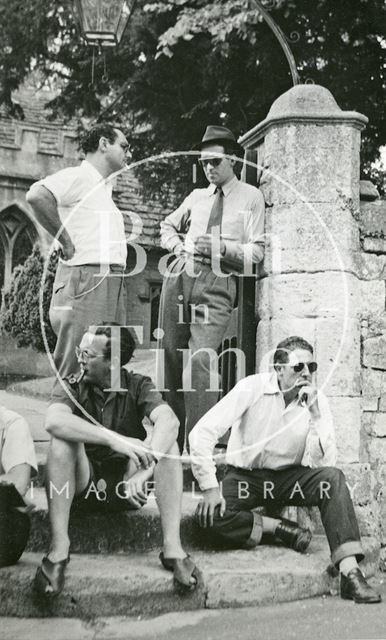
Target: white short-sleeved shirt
(89, 215)
(16, 443)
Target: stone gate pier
(324, 274)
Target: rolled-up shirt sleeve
(212, 426)
(172, 226)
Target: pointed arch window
(17, 237)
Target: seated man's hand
(135, 487)
(212, 498)
(134, 449)
(308, 396)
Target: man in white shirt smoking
(281, 452)
(75, 205)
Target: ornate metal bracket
(282, 40)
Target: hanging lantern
(104, 21)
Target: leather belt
(114, 268)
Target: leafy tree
(20, 312)
(186, 63)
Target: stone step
(136, 584)
(133, 531)
(92, 533)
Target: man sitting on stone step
(17, 465)
(101, 458)
(281, 452)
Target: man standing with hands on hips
(75, 205)
(216, 234)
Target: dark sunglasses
(215, 162)
(312, 366)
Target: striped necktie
(215, 217)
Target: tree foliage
(20, 312)
(186, 63)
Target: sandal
(183, 570)
(50, 577)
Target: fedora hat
(216, 134)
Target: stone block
(319, 295)
(310, 237)
(372, 297)
(382, 517)
(372, 218)
(374, 352)
(376, 324)
(368, 191)
(367, 421)
(313, 163)
(360, 481)
(346, 414)
(373, 381)
(369, 266)
(375, 424)
(376, 448)
(368, 517)
(337, 351)
(374, 245)
(370, 403)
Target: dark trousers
(324, 487)
(194, 314)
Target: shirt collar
(86, 165)
(226, 188)
(271, 384)
(105, 395)
(271, 387)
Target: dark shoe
(49, 578)
(354, 587)
(293, 536)
(183, 570)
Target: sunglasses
(215, 162)
(312, 366)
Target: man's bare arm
(46, 210)
(61, 423)
(165, 429)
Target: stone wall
(372, 224)
(324, 274)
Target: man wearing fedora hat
(216, 234)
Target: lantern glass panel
(104, 21)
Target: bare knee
(63, 450)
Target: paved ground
(327, 618)
(31, 409)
